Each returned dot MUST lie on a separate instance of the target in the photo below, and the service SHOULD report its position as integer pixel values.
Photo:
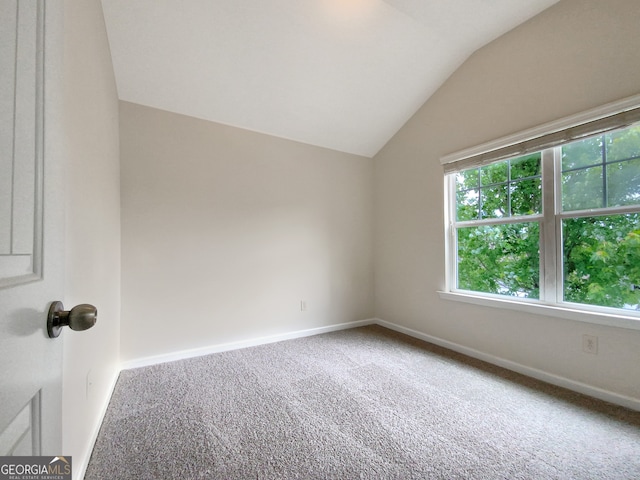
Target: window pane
(526, 197)
(494, 173)
(467, 205)
(467, 179)
(623, 144)
(582, 153)
(602, 260)
(582, 189)
(500, 259)
(623, 183)
(494, 201)
(528, 166)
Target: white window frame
(549, 136)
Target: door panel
(31, 244)
(21, 145)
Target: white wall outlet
(90, 382)
(303, 305)
(590, 344)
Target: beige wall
(577, 55)
(225, 231)
(92, 223)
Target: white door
(31, 226)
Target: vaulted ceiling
(341, 74)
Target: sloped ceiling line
(341, 74)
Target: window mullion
(548, 244)
(605, 195)
(451, 242)
(509, 188)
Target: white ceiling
(342, 74)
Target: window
(498, 214)
(558, 224)
(600, 214)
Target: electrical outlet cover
(590, 344)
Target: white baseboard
(223, 347)
(80, 464)
(547, 377)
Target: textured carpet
(366, 403)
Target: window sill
(599, 318)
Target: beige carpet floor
(366, 403)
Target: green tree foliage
(602, 260)
(601, 253)
(502, 259)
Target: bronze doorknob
(81, 317)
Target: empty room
(321, 239)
